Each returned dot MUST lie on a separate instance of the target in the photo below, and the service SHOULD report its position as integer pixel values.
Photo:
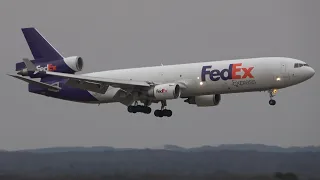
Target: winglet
(30, 66)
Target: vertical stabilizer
(46, 57)
(40, 48)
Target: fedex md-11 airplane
(200, 84)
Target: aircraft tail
(41, 49)
(46, 57)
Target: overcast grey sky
(123, 34)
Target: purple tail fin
(40, 48)
(46, 57)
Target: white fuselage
(216, 77)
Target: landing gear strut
(138, 108)
(272, 93)
(163, 111)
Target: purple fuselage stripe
(66, 92)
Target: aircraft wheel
(146, 110)
(133, 109)
(143, 109)
(272, 102)
(161, 113)
(157, 113)
(167, 113)
(130, 109)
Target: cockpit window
(297, 65)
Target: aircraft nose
(310, 72)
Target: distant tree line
(161, 163)
(153, 176)
(285, 176)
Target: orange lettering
(235, 70)
(247, 72)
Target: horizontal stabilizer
(40, 84)
(30, 66)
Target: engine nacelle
(74, 62)
(165, 91)
(205, 100)
(67, 65)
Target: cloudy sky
(123, 34)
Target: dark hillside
(160, 161)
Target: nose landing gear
(272, 102)
(272, 93)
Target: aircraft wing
(40, 84)
(98, 84)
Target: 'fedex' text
(233, 72)
(49, 67)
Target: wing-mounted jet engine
(205, 100)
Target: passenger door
(284, 73)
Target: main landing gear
(272, 93)
(163, 111)
(138, 108)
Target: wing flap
(86, 85)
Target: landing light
(274, 91)
(278, 79)
(201, 83)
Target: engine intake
(165, 91)
(205, 100)
(74, 62)
(67, 65)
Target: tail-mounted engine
(75, 63)
(66, 65)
